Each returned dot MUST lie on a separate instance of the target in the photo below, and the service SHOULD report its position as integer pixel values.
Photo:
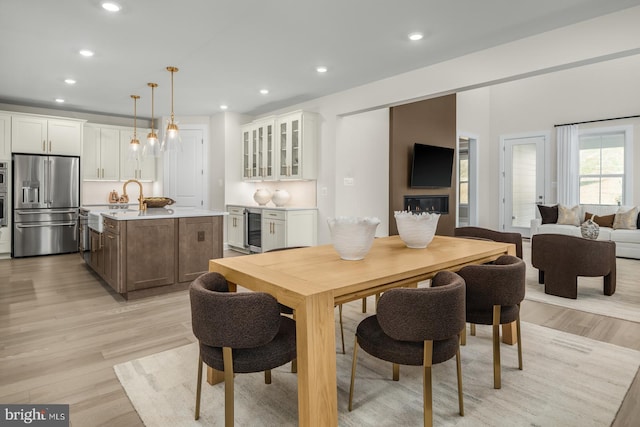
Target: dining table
(313, 280)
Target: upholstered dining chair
(488, 234)
(416, 326)
(238, 332)
(494, 294)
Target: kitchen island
(145, 252)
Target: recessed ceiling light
(111, 7)
(321, 69)
(86, 52)
(223, 107)
(59, 100)
(264, 91)
(70, 81)
(415, 36)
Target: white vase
(352, 236)
(280, 197)
(416, 230)
(262, 196)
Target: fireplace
(431, 204)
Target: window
(604, 176)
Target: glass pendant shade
(152, 147)
(135, 151)
(171, 138)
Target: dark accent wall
(431, 122)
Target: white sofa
(627, 241)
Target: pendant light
(171, 140)
(152, 147)
(134, 144)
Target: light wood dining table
(313, 280)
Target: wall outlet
(348, 182)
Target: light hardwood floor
(62, 330)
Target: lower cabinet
(137, 255)
(96, 257)
(235, 227)
(288, 228)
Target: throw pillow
(626, 220)
(549, 214)
(602, 221)
(569, 216)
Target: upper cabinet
(5, 136)
(297, 134)
(41, 135)
(143, 169)
(258, 150)
(100, 153)
(280, 148)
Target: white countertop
(157, 213)
(273, 208)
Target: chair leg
(496, 347)
(341, 327)
(267, 376)
(396, 372)
(472, 328)
(353, 373)
(463, 335)
(459, 371)
(427, 397)
(294, 362)
(198, 388)
(519, 338)
(228, 386)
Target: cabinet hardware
(103, 173)
(44, 145)
(49, 145)
(98, 172)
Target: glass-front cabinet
(297, 135)
(258, 154)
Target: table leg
(316, 348)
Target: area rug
(567, 381)
(623, 304)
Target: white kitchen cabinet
(143, 169)
(42, 135)
(101, 153)
(235, 227)
(258, 150)
(288, 228)
(297, 139)
(5, 137)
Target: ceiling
(228, 50)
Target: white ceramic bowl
(353, 236)
(416, 230)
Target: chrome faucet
(142, 204)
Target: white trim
(474, 176)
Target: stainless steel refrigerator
(46, 197)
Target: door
(63, 174)
(189, 169)
(522, 181)
(28, 182)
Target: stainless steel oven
(253, 229)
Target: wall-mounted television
(431, 166)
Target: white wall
(364, 162)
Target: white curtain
(568, 165)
